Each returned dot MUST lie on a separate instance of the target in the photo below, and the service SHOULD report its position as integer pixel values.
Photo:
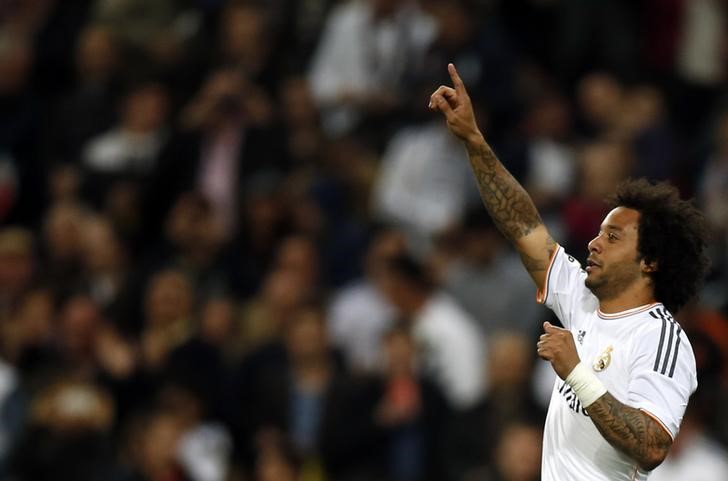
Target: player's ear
(648, 267)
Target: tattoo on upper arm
(631, 431)
(507, 202)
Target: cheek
(624, 268)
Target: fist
(556, 345)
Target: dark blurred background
(235, 244)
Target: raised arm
(506, 200)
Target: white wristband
(585, 384)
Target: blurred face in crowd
(262, 214)
(96, 53)
(272, 465)
(16, 261)
(217, 319)
(157, 448)
(243, 35)
(519, 453)
(306, 335)
(35, 316)
(603, 165)
(455, 22)
(191, 227)
(642, 107)
(599, 97)
(392, 286)
(299, 254)
(298, 105)
(386, 245)
(407, 291)
(481, 245)
(79, 321)
(16, 60)
(102, 248)
(64, 232)
(145, 108)
(284, 288)
(169, 298)
(509, 357)
(550, 118)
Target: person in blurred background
(276, 460)
(128, 152)
(412, 411)
(92, 103)
(17, 269)
(694, 455)
(452, 346)
(69, 436)
(105, 264)
(295, 387)
(482, 263)
(168, 303)
(363, 57)
(518, 457)
(359, 313)
(508, 402)
(62, 246)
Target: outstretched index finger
(457, 82)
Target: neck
(627, 299)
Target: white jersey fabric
(642, 357)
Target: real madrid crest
(603, 360)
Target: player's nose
(595, 245)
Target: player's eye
(612, 237)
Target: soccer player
(626, 368)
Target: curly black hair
(672, 233)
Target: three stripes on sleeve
(669, 345)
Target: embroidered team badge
(605, 358)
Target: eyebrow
(612, 227)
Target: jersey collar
(628, 312)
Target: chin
(592, 283)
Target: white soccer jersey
(643, 358)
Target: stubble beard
(614, 281)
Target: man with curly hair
(626, 368)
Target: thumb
(548, 327)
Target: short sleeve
(564, 291)
(663, 373)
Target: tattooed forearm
(631, 431)
(507, 202)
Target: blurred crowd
(236, 246)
